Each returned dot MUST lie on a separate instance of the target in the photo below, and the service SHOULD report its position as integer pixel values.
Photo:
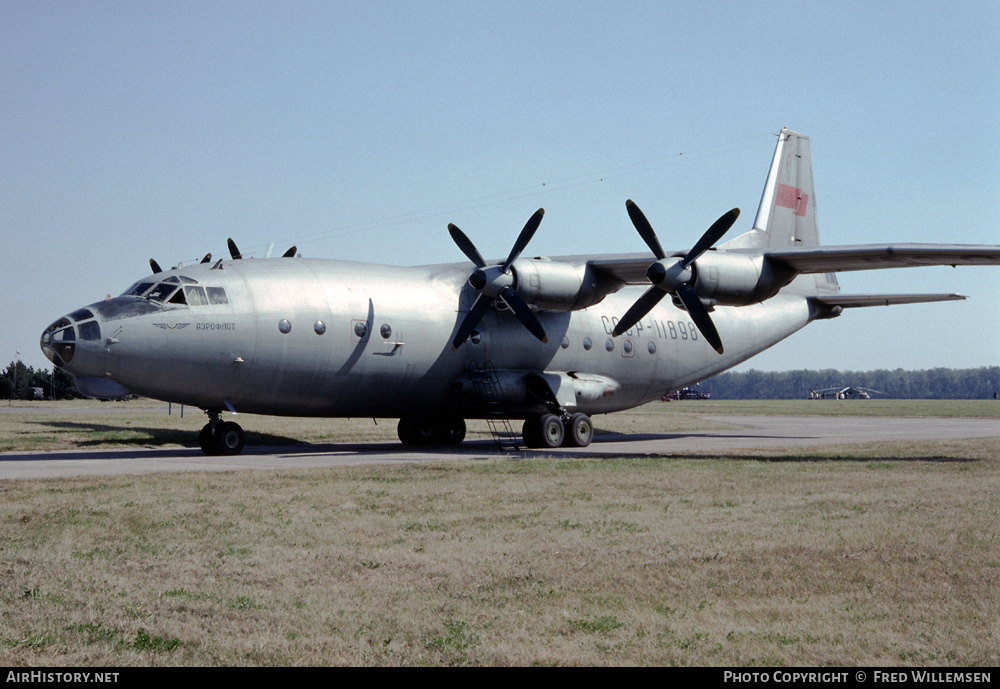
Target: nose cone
(65, 340)
(58, 342)
(73, 343)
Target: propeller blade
(466, 245)
(638, 310)
(208, 257)
(522, 239)
(712, 235)
(645, 229)
(290, 253)
(472, 319)
(155, 266)
(699, 314)
(493, 285)
(233, 251)
(523, 312)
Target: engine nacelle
(556, 286)
(736, 280)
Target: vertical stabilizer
(787, 212)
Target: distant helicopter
(849, 393)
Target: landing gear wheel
(553, 431)
(207, 440)
(448, 431)
(415, 432)
(579, 430)
(545, 431)
(229, 438)
(221, 438)
(444, 431)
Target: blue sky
(360, 130)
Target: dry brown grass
(844, 556)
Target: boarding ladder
(486, 384)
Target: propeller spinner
(674, 275)
(496, 282)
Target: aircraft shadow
(146, 442)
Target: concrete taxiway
(744, 433)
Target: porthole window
(386, 331)
(284, 326)
(651, 347)
(476, 337)
(627, 346)
(360, 328)
(319, 327)
(587, 344)
(609, 344)
(565, 342)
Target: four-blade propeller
(674, 275)
(496, 283)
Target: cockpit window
(90, 331)
(138, 289)
(178, 298)
(161, 292)
(81, 315)
(217, 295)
(196, 296)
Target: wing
(849, 301)
(833, 259)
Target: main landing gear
(446, 431)
(540, 431)
(220, 437)
(555, 430)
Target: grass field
(853, 555)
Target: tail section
(786, 217)
(787, 212)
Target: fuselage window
(217, 295)
(196, 296)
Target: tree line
(935, 383)
(25, 383)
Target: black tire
(553, 433)
(415, 432)
(448, 431)
(207, 441)
(531, 431)
(579, 431)
(229, 438)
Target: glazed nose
(59, 341)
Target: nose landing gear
(219, 437)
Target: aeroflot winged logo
(171, 325)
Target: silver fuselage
(327, 338)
